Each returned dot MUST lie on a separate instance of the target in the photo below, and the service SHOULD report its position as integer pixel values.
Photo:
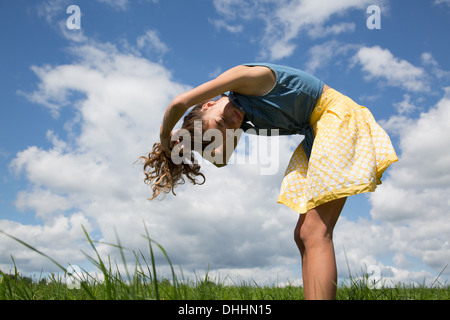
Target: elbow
(179, 103)
(183, 101)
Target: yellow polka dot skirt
(349, 155)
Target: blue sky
(80, 106)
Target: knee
(311, 235)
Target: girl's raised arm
(241, 79)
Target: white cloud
(52, 8)
(320, 31)
(43, 202)
(364, 243)
(379, 63)
(405, 106)
(444, 2)
(221, 23)
(287, 20)
(60, 238)
(116, 4)
(295, 17)
(322, 55)
(412, 200)
(150, 41)
(430, 61)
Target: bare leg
(314, 238)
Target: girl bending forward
(344, 151)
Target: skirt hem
(315, 202)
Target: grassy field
(18, 288)
(144, 283)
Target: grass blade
(155, 278)
(34, 249)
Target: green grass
(144, 283)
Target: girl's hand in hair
(173, 142)
(167, 144)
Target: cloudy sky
(79, 106)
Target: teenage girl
(344, 151)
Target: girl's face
(222, 115)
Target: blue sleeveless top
(287, 107)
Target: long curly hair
(162, 174)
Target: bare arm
(241, 79)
